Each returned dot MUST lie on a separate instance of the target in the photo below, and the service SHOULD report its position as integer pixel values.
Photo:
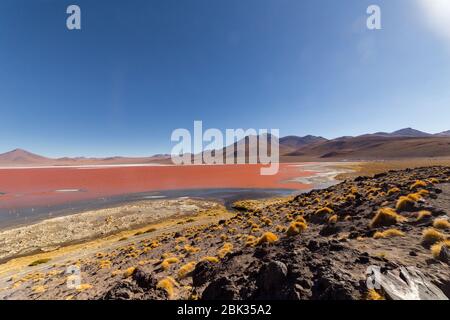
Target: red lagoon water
(31, 187)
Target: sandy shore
(49, 234)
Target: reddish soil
(37, 186)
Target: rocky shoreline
(318, 245)
(53, 233)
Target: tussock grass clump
(190, 249)
(267, 237)
(39, 289)
(166, 263)
(267, 221)
(423, 215)
(418, 184)
(325, 210)
(431, 236)
(441, 223)
(211, 259)
(423, 192)
(296, 228)
(390, 233)
(433, 180)
(105, 264)
(404, 204)
(186, 270)
(84, 286)
(436, 248)
(333, 219)
(393, 191)
(300, 219)
(39, 261)
(250, 241)
(386, 217)
(168, 285)
(129, 272)
(414, 196)
(373, 295)
(226, 249)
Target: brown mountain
(19, 157)
(22, 157)
(401, 144)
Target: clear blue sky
(139, 69)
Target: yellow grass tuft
(434, 180)
(300, 219)
(166, 263)
(267, 237)
(423, 214)
(393, 191)
(423, 192)
(84, 286)
(38, 262)
(436, 248)
(390, 233)
(325, 210)
(374, 295)
(414, 196)
(129, 272)
(386, 217)
(38, 289)
(168, 285)
(404, 203)
(296, 228)
(251, 241)
(105, 264)
(191, 249)
(418, 184)
(226, 249)
(431, 236)
(441, 223)
(333, 219)
(186, 270)
(211, 259)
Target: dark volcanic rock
(220, 289)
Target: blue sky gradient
(139, 69)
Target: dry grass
(390, 233)
(84, 286)
(168, 285)
(436, 248)
(404, 204)
(296, 228)
(211, 259)
(251, 241)
(129, 272)
(324, 210)
(424, 214)
(166, 263)
(267, 237)
(441, 223)
(431, 236)
(226, 249)
(393, 191)
(373, 295)
(386, 217)
(186, 270)
(333, 219)
(418, 184)
(38, 262)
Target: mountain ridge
(403, 143)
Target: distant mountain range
(400, 144)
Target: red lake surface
(29, 187)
